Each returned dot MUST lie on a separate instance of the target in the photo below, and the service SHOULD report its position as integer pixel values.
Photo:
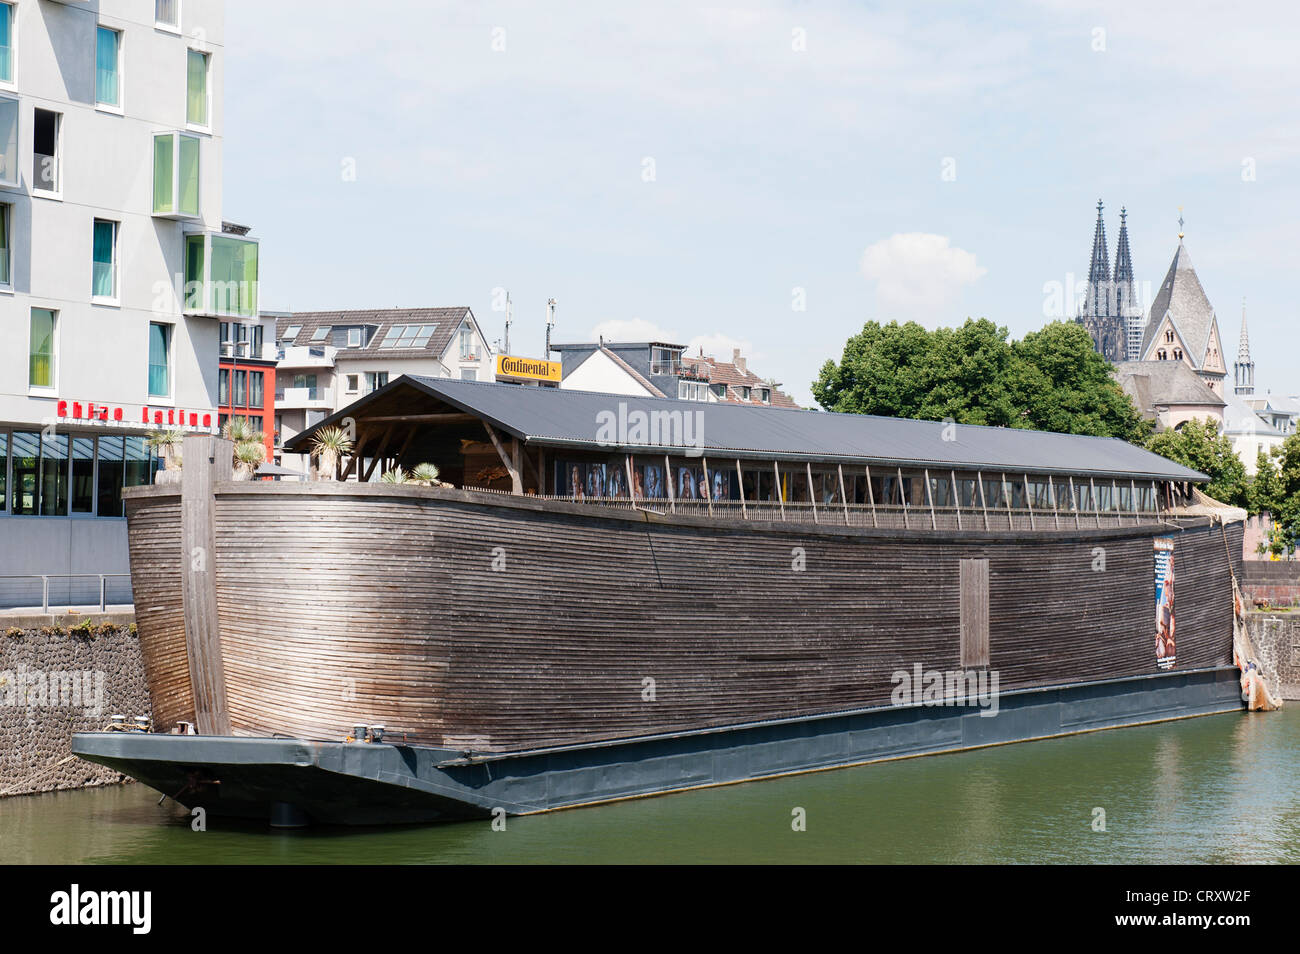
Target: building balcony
(176, 176)
(304, 398)
(220, 275)
(306, 356)
(241, 350)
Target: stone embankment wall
(1277, 639)
(1268, 583)
(60, 675)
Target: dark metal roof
(556, 417)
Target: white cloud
(631, 329)
(918, 274)
(719, 345)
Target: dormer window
(742, 392)
(355, 337)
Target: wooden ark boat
(545, 647)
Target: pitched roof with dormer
(380, 324)
(735, 376)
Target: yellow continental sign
(508, 366)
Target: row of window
(689, 482)
(108, 63)
(42, 353)
(244, 341)
(62, 475)
(248, 390)
(700, 391)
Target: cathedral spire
(1098, 271)
(1244, 368)
(1126, 294)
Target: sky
(764, 175)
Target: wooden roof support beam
(379, 452)
(956, 496)
(510, 461)
(871, 497)
(740, 485)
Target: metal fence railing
(62, 590)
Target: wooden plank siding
(367, 603)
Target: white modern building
(328, 359)
(115, 269)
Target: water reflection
(1219, 789)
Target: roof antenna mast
(550, 323)
(506, 348)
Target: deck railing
(65, 590)
(883, 516)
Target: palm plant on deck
(168, 444)
(426, 474)
(330, 445)
(395, 476)
(250, 446)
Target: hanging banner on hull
(1164, 551)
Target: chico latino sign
(91, 412)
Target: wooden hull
(502, 624)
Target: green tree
(1200, 446)
(1286, 500)
(1265, 491)
(1062, 384)
(1052, 380)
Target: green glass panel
(106, 67)
(159, 376)
(6, 43)
(162, 174)
(233, 276)
(196, 101)
(194, 277)
(189, 177)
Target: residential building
(113, 263)
(246, 375)
(663, 369)
(328, 359)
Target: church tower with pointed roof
(1126, 301)
(1099, 313)
(1182, 325)
(1244, 368)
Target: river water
(1221, 789)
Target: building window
(176, 175)
(123, 462)
(108, 52)
(160, 379)
(255, 340)
(354, 337)
(196, 89)
(764, 395)
(167, 13)
(742, 392)
(8, 141)
(354, 381)
(41, 367)
(82, 496)
(223, 387)
(256, 389)
(375, 380)
(291, 332)
(320, 334)
(467, 343)
(103, 282)
(692, 391)
(241, 389)
(6, 259)
(46, 174)
(468, 374)
(408, 336)
(6, 43)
